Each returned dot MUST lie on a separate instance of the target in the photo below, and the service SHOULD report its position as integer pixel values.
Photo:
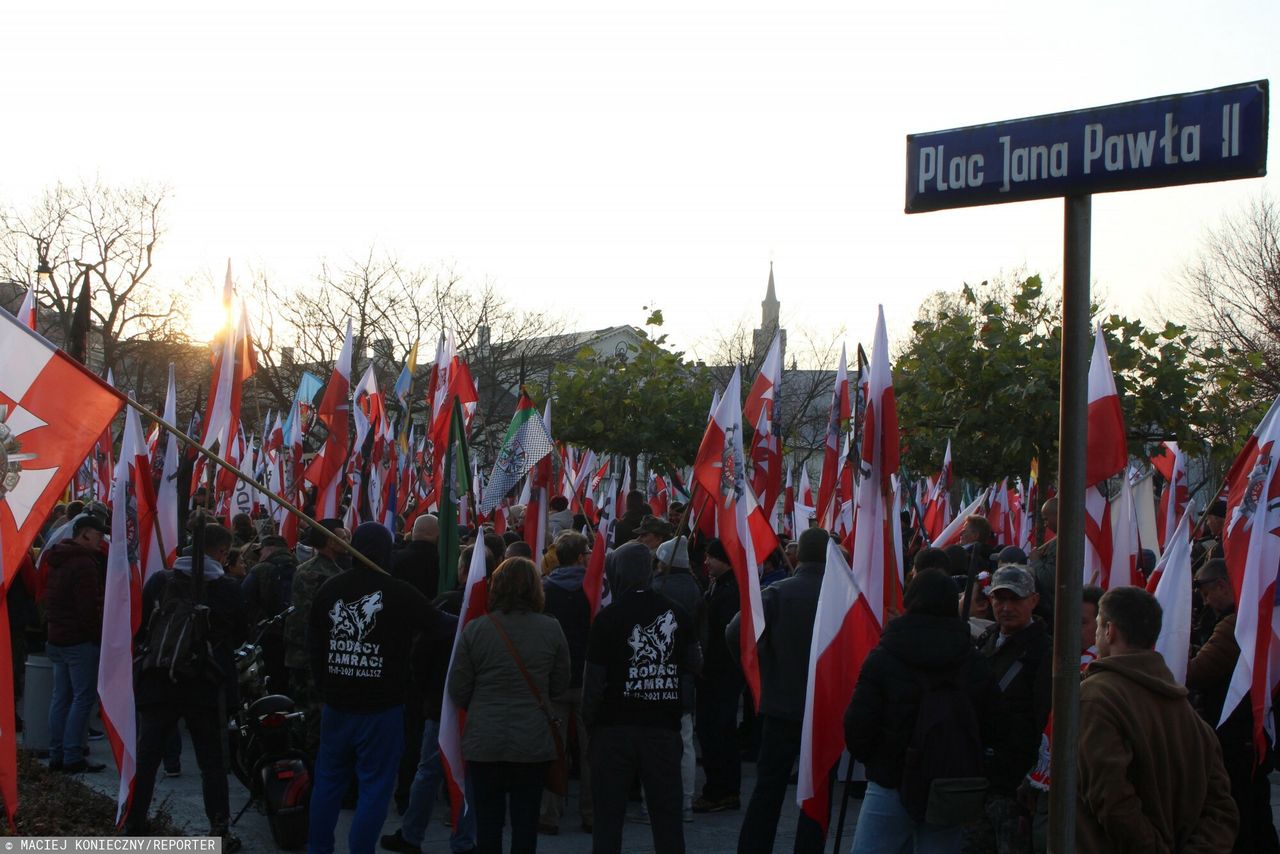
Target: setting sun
(208, 317)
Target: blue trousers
(75, 688)
(368, 745)
(423, 793)
(884, 827)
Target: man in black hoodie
(639, 647)
(790, 608)
(359, 639)
(200, 698)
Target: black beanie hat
(813, 546)
(715, 549)
(931, 592)
(373, 541)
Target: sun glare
(208, 318)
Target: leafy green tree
(648, 402)
(982, 369)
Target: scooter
(264, 736)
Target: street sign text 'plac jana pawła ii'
(1212, 135)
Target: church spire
(770, 307)
(770, 322)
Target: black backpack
(177, 642)
(942, 771)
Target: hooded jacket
(1151, 773)
(76, 576)
(227, 630)
(360, 634)
(881, 718)
(564, 600)
(640, 650)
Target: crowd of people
(949, 721)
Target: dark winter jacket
(418, 563)
(881, 718)
(1209, 675)
(1151, 773)
(431, 653)
(1022, 670)
(268, 589)
(564, 600)
(718, 664)
(680, 587)
(73, 593)
(624, 530)
(227, 630)
(790, 607)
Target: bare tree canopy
(1233, 287)
(391, 306)
(109, 235)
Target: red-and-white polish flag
(475, 603)
(1251, 543)
(1172, 465)
(122, 605)
(950, 535)
(593, 579)
(167, 490)
(764, 390)
(223, 412)
(837, 418)
(143, 509)
(845, 629)
(327, 470)
(1106, 456)
(745, 533)
(52, 411)
(937, 510)
(875, 551)
(27, 311)
(804, 502)
(1170, 583)
(1124, 538)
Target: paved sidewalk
(715, 833)
(712, 833)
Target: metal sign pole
(1072, 441)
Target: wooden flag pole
(212, 457)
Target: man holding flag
(790, 606)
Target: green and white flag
(525, 444)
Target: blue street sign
(1196, 137)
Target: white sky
(593, 157)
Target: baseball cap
(1016, 579)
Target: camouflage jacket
(306, 581)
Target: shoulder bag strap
(533, 687)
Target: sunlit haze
(593, 158)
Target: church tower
(769, 324)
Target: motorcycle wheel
(289, 830)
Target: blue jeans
(75, 688)
(368, 745)
(884, 827)
(423, 793)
